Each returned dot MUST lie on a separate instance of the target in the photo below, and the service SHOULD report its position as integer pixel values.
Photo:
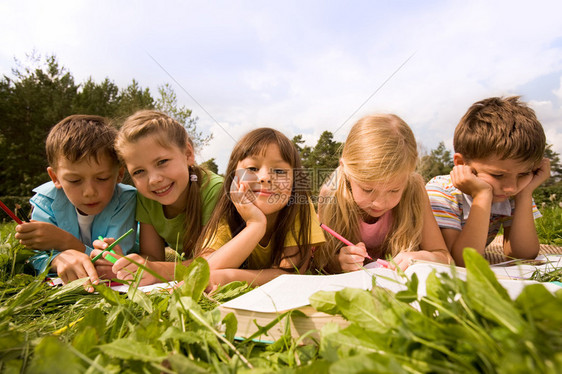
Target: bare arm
(152, 246)
(475, 230)
(432, 246)
(520, 240)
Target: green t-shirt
(172, 229)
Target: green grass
(462, 327)
(549, 227)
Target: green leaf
(231, 326)
(94, 318)
(373, 363)
(129, 349)
(52, 354)
(181, 364)
(85, 340)
(487, 296)
(536, 301)
(324, 301)
(140, 298)
(196, 279)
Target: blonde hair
(78, 137)
(166, 131)
(503, 127)
(298, 207)
(378, 148)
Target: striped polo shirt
(451, 208)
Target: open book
(292, 292)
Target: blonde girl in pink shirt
(377, 200)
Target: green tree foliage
(319, 161)
(211, 165)
(41, 94)
(133, 98)
(437, 162)
(31, 104)
(100, 99)
(168, 103)
(555, 166)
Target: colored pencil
(10, 213)
(109, 247)
(339, 237)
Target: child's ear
(53, 176)
(121, 174)
(458, 159)
(189, 154)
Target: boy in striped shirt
(499, 146)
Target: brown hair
(298, 207)
(78, 137)
(378, 148)
(502, 127)
(166, 131)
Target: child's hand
(243, 198)
(540, 174)
(464, 178)
(103, 266)
(43, 235)
(125, 270)
(351, 258)
(218, 278)
(72, 265)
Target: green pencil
(112, 245)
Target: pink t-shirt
(373, 235)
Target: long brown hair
(166, 131)
(378, 148)
(298, 207)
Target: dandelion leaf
(195, 278)
(487, 296)
(51, 355)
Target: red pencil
(339, 237)
(10, 213)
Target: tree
(133, 98)
(438, 162)
(211, 165)
(168, 103)
(320, 160)
(98, 99)
(304, 151)
(31, 104)
(555, 166)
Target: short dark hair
(502, 127)
(81, 136)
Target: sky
(304, 67)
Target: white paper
(290, 291)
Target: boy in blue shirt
(499, 162)
(84, 200)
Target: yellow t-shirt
(260, 258)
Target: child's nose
(509, 186)
(88, 190)
(264, 176)
(154, 178)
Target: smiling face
(269, 178)
(159, 173)
(377, 198)
(507, 177)
(88, 183)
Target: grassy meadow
(467, 326)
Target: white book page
(290, 291)
(124, 288)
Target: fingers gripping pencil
(110, 248)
